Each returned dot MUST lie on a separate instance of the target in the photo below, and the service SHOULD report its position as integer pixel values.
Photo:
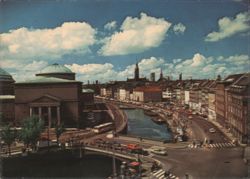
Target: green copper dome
(5, 76)
(55, 68)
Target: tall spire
(161, 74)
(180, 76)
(137, 72)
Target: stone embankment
(119, 117)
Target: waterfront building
(186, 92)
(211, 101)
(122, 94)
(238, 108)
(194, 96)
(103, 92)
(95, 87)
(204, 87)
(221, 98)
(87, 97)
(167, 94)
(55, 98)
(147, 94)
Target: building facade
(54, 100)
(238, 108)
(221, 99)
(7, 97)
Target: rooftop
(42, 79)
(55, 68)
(148, 89)
(87, 91)
(7, 97)
(5, 76)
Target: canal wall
(119, 117)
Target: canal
(141, 125)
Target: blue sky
(102, 40)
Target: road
(211, 163)
(200, 130)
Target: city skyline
(102, 40)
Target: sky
(102, 40)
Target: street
(209, 163)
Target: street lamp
(111, 136)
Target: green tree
(32, 128)
(8, 136)
(59, 129)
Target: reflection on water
(141, 125)
(58, 164)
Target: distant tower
(180, 76)
(152, 76)
(218, 78)
(161, 75)
(136, 72)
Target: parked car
(212, 130)
(158, 150)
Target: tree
(8, 136)
(31, 130)
(59, 129)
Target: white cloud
(90, 69)
(230, 26)
(238, 60)
(177, 60)
(23, 71)
(179, 28)
(200, 66)
(198, 60)
(29, 44)
(110, 25)
(136, 35)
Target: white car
(212, 130)
(158, 150)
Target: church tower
(136, 72)
(161, 75)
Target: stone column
(49, 117)
(58, 115)
(40, 112)
(31, 111)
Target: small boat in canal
(150, 113)
(158, 120)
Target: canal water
(57, 164)
(141, 125)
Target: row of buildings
(54, 95)
(225, 101)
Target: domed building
(7, 98)
(53, 94)
(6, 83)
(57, 71)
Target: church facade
(54, 98)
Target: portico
(48, 108)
